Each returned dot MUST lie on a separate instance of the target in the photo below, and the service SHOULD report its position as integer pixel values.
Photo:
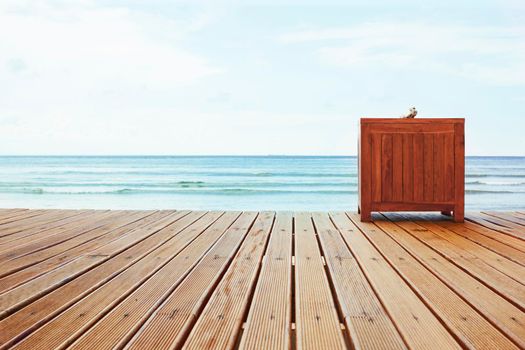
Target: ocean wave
(210, 191)
(495, 175)
(127, 191)
(177, 184)
(173, 172)
(470, 191)
(495, 183)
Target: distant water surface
(241, 183)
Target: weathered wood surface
(90, 279)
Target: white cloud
(490, 54)
(72, 49)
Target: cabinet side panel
(459, 157)
(365, 169)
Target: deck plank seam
(335, 298)
(480, 279)
(138, 285)
(38, 324)
(372, 286)
(461, 340)
(456, 289)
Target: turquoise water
(243, 183)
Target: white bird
(412, 112)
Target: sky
(254, 77)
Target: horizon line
(217, 155)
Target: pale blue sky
(254, 77)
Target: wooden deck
(218, 280)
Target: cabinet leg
(446, 212)
(459, 215)
(358, 210)
(366, 216)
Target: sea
(299, 183)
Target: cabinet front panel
(412, 167)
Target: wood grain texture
(415, 321)
(367, 322)
(120, 324)
(170, 324)
(220, 323)
(411, 164)
(206, 280)
(505, 315)
(317, 322)
(269, 321)
(455, 312)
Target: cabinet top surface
(412, 120)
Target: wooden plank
(13, 215)
(268, 325)
(507, 317)
(219, 325)
(518, 214)
(47, 229)
(428, 165)
(33, 252)
(416, 323)
(509, 288)
(172, 321)
(408, 168)
(439, 125)
(100, 238)
(419, 170)
(468, 326)
(366, 321)
(399, 206)
(478, 219)
(415, 121)
(502, 222)
(376, 167)
(15, 298)
(30, 220)
(317, 321)
(492, 234)
(10, 211)
(459, 171)
(22, 295)
(439, 167)
(106, 287)
(387, 168)
(40, 311)
(37, 224)
(397, 167)
(115, 328)
(23, 215)
(496, 246)
(449, 167)
(364, 169)
(509, 220)
(44, 231)
(66, 327)
(497, 261)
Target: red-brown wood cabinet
(412, 165)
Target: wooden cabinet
(412, 165)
